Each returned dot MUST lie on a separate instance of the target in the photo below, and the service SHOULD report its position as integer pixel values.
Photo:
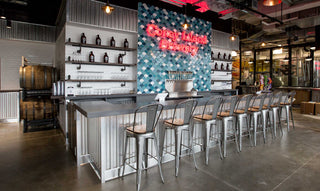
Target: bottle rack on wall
(118, 80)
(221, 59)
(214, 70)
(98, 63)
(100, 46)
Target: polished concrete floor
(40, 161)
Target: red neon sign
(174, 36)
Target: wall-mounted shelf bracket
(79, 67)
(123, 84)
(123, 69)
(79, 84)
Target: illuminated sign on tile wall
(164, 46)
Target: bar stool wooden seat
(225, 116)
(208, 118)
(241, 113)
(143, 129)
(181, 123)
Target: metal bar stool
(265, 113)
(181, 123)
(241, 113)
(208, 118)
(286, 103)
(143, 130)
(274, 111)
(225, 116)
(255, 113)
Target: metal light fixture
(232, 37)
(263, 43)
(185, 24)
(286, 59)
(107, 8)
(9, 24)
(312, 48)
(309, 58)
(2, 15)
(271, 3)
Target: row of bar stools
(286, 103)
(221, 112)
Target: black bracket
(123, 69)
(123, 84)
(79, 51)
(79, 84)
(79, 67)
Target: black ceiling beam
(242, 6)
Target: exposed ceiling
(250, 19)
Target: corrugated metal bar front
(9, 106)
(90, 12)
(27, 31)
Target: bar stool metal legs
(225, 124)
(240, 119)
(142, 154)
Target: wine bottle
(106, 58)
(229, 58)
(112, 42)
(120, 59)
(216, 66)
(212, 55)
(219, 55)
(227, 68)
(222, 67)
(91, 57)
(126, 43)
(83, 39)
(224, 56)
(98, 40)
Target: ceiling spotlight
(312, 48)
(271, 2)
(185, 25)
(9, 24)
(232, 37)
(263, 44)
(107, 8)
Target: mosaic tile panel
(153, 62)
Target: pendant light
(2, 15)
(107, 8)
(185, 24)
(309, 58)
(262, 43)
(232, 37)
(271, 3)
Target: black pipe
(242, 6)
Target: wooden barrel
(37, 77)
(35, 109)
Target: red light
(171, 44)
(203, 7)
(227, 11)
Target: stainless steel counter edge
(299, 88)
(94, 109)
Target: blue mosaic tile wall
(153, 62)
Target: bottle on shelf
(91, 57)
(222, 67)
(126, 43)
(106, 58)
(229, 57)
(112, 42)
(120, 59)
(98, 40)
(83, 39)
(212, 55)
(219, 55)
(224, 56)
(227, 68)
(216, 66)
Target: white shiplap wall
(10, 56)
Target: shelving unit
(221, 70)
(117, 80)
(100, 46)
(220, 59)
(98, 63)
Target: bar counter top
(299, 88)
(93, 109)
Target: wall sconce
(107, 8)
